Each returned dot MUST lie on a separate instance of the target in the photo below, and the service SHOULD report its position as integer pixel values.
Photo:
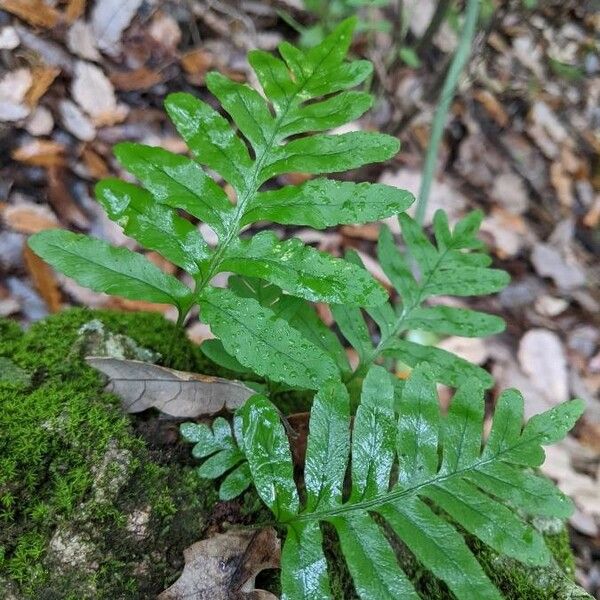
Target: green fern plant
(306, 92)
(422, 478)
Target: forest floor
(522, 143)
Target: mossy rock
(96, 505)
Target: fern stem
(439, 120)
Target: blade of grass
(456, 67)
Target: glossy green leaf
(262, 342)
(155, 226)
(103, 268)
(455, 321)
(446, 367)
(178, 182)
(236, 482)
(322, 203)
(269, 456)
(303, 271)
(324, 153)
(446, 485)
(354, 329)
(328, 446)
(214, 350)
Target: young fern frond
(446, 482)
(305, 93)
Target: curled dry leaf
(62, 200)
(142, 385)
(224, 567)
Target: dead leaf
(44, 279)
(94, 92)
(492, 106)
(74, 10)
(41, 153)
(28, 217)
(13, 89)
(109, 19)
(40, 122)
(510, 192)
(81, 41)
(165, 30)
(224, 567)
(62, 201)
(9, 38)
(42, 80)
(549, 262)
(139, 79)
(95, 164)
(196, 63)
(562, 184)
(142, 385)
(542, 358)
(473, 350)
(75, 122)
(34, 12)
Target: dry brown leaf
(224, 567)
(62, 201)
(562, 184)
(74, 10)
(96, 166)
(41, 153)
(492, 106)
(28, 217)
(139, 79)
(368, 231)
(44, 279)
(196, 63)
(34, 12)
(142, 385)
(42, 80)
(542, 358)
(165, 30)
(119, 303)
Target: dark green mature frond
(260, 137)
(447, 477)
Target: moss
(73, 472)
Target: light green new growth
(442, 470)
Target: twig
(456, 66)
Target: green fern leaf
(257, 138)
(442, 470)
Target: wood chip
(94, 92)
(28, 217)
(139, 79)
(42, 80)
(41, 153)
(34, 12)
(44, 279)
(62, 200)
(109, 19)
(81, 41)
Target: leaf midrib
(398, 494)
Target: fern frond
(259, 137)
(446, 482)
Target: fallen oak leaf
(142, 385)
(224, 567)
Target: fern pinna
(422, 478)
(303, 93)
